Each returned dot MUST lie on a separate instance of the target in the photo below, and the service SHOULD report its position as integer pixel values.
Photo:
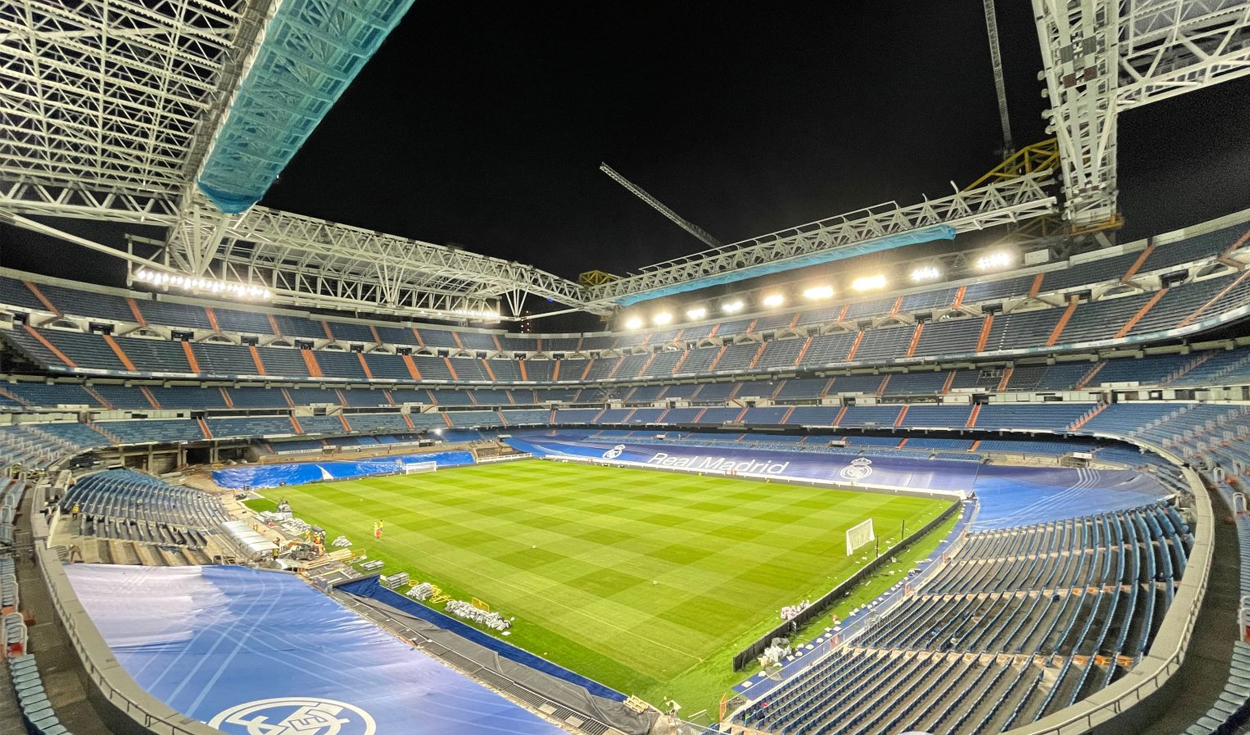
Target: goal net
(859, 535)
(413, 468)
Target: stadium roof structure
(181, 113)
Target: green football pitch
(644, 580)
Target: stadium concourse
(1085, 425)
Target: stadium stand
(132, 506)
(921, 668)
(1044, 604)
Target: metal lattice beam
(1170, 47)
(1101, 57)
(76, 200)
(1080, 42)
(108, 96)
(996, 65)
(704, 236)
(337, 263)
(999, 203)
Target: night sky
(484, 124)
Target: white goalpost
(413, 468)
(859, 535)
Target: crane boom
(996, 60)
(658, 206)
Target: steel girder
(1169, 47)
(76, 200)
(1101, 57)
(999, 203)
(1080, 42)
(109, 95)
(314, 260)
(106, 109)
(340, 266)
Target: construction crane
(996, 60)
(658, 206)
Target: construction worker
(73, 513)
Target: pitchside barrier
(820, 606)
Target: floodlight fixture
(195, 284)
(926, 273)
(995, 261)
(869, 283)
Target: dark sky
(484, 124)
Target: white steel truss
(1169, 47)
(107, 108)
(110, 94)
(1002, 202)
(319, 263)
(1101, 57)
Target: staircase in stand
(915, 340)
(95, 394)
(1089, 377)
(985, 333)
(1007, 373)
(859, 337)
(1188, 367)
(1132, 322)
(1063, 322)
(113, 438)
(1076, 425)
(149, 396)
(23, 402)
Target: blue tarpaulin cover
(229, 646)
(1009, 496)
(300, 473)
(372, 588)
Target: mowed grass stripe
(572, 551)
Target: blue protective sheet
(300, 473)
(372, 588)
(1009, 496)
(229, 645)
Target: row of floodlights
(246, 291)
(862, 284)
(202, 285)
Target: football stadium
(955, 463)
